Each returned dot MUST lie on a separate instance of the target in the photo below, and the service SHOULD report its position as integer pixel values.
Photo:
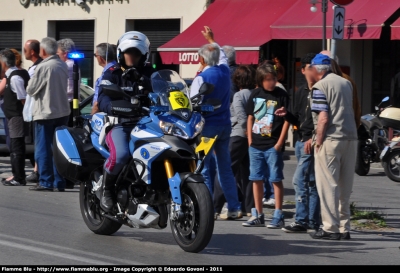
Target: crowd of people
(245, 170)
(42, 94)
(326, 114)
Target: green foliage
(375, 219)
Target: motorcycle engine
(122, 198)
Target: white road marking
(52, 253)
(48, 251)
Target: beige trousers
(334, 174)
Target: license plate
(384, 151)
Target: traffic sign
(341, 2)
(338, 23)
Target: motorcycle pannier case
(74, 157)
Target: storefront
(260, 29)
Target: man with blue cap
(335, 148)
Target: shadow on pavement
(269, 244)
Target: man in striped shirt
(335, 146)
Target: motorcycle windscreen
(172, 92)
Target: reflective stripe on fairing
(68, 141)
(142, 134)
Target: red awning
(396, 30)
(363, 20)
(243, 24)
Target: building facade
(95, 22)
(371, 62)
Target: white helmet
(133, 39)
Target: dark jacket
(123, 80)
(301, 115)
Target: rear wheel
(362, 160)
(92, 213)
(391, 165)
(194, 231)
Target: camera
(80, 2)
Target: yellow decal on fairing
(206, 144)
(178, 100)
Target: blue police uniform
(117, 139)
(112, 72)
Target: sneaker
(248, 214)
(269, 203)
(7, 179)
(256, 220)
(322, 234)
(277, 221)
(295, 228)
(345, 236)
(13, 182)
(33, 177)
(231, 215)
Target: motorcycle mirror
(114, 91)
(205, 89)
(385, 99)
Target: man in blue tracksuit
(216, 71)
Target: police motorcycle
(162, 181)
(390, 156)
(372, 140)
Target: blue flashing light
(76, 55)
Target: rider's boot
(107, 199)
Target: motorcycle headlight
(171, 129)
(199, 127)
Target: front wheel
(92, 213)
(391, 165)
(362, 160)
(194, 231)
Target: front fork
(175, 188)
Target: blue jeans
(266, 165)
(44, 133)
(306, 195)
(268, 190)
(223, 164)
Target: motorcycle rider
(133, 49)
